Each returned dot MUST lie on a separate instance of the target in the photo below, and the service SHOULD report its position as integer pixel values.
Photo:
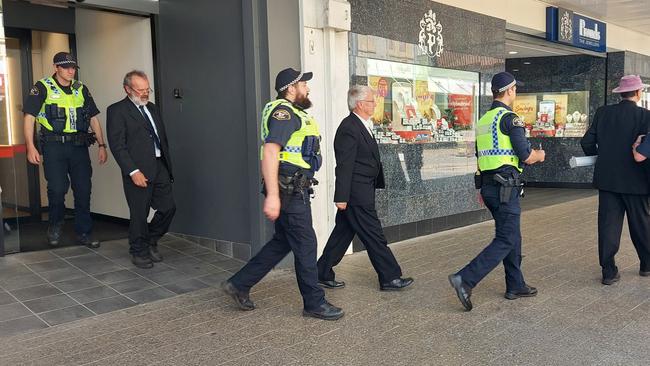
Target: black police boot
(611, 280)
(331, 284)
(54, 234)
(462, 291)
(87, 240)
(154, 254)
(396, 284)
(326, 311)
(241, 298)
(527, 291)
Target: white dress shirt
(366, 123)
(156, 149)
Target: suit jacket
(610, 136)
(129, 137)
(358, 164)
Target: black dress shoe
(396, 284)
(241, 298)
(87, 240)
(462, 291)
(644, 273)
(332, 284)
(53, 234)
(142, 262)
(527, 291)
(154, 254)
(326, 311)
(611, 280)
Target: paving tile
(165, 277)
(135, 284)
(13, 311)
(215, 279)
(63, 274)
(149, 295)
(34, 257)
(92, 294)
(21, 325)
(66, 315)
(116, 276)
(50, 303)
(72, 251)
(21, 281)
(6, 298)
(35, 292)
(186, 286)
(77, 284)
(110, 304)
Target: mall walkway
(573, 321)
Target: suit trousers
(293, 233)
(506, 245)
(612, 207)
(157, 195)
(363, 222)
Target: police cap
(503, 81)
(290, 76)
(64, 59)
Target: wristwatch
(102, 145)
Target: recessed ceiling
(631, 14)
(526, 50)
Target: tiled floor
(42, 289)
(573, 321)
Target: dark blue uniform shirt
(517, 138)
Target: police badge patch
(281, 115)
(517, 122)
(34, 90)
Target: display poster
(462, 106)
(547, 111)
(404, 105)
(380, 86)
(424, 99)
(526, 108)
(561, 104)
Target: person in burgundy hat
(623, 185)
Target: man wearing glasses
(138, 141)
(66, 112)
(358, 173)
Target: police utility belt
(76, 138)
(298, 183)
(505, 182)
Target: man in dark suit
(138, 141)
(622, 184)
(358, 173)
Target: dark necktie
(154, 135)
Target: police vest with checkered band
(292, 152)
(70, 102)
(494, 147)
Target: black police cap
(290, 76)
(503, 81)
(64, 59)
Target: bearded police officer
(502, 151)
(290, 157)
(66, 112)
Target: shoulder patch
(34, 90)
(517, 122)
(281, 114)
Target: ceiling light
(512, 52)
(515, 70)
(527, 63)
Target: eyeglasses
(142, 91)
(368, 101)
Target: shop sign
(430, 38)
(564, 26)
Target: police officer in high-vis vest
(290, 157)
(66, 113)
(502, 151)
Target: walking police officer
(66, 111)
(290, 157)
(501, 149)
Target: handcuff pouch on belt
(507, 185)
(294, 184)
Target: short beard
(137, 100)
(303, 102)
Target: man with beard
(65, 111)
(290, 157)
(138, 141)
